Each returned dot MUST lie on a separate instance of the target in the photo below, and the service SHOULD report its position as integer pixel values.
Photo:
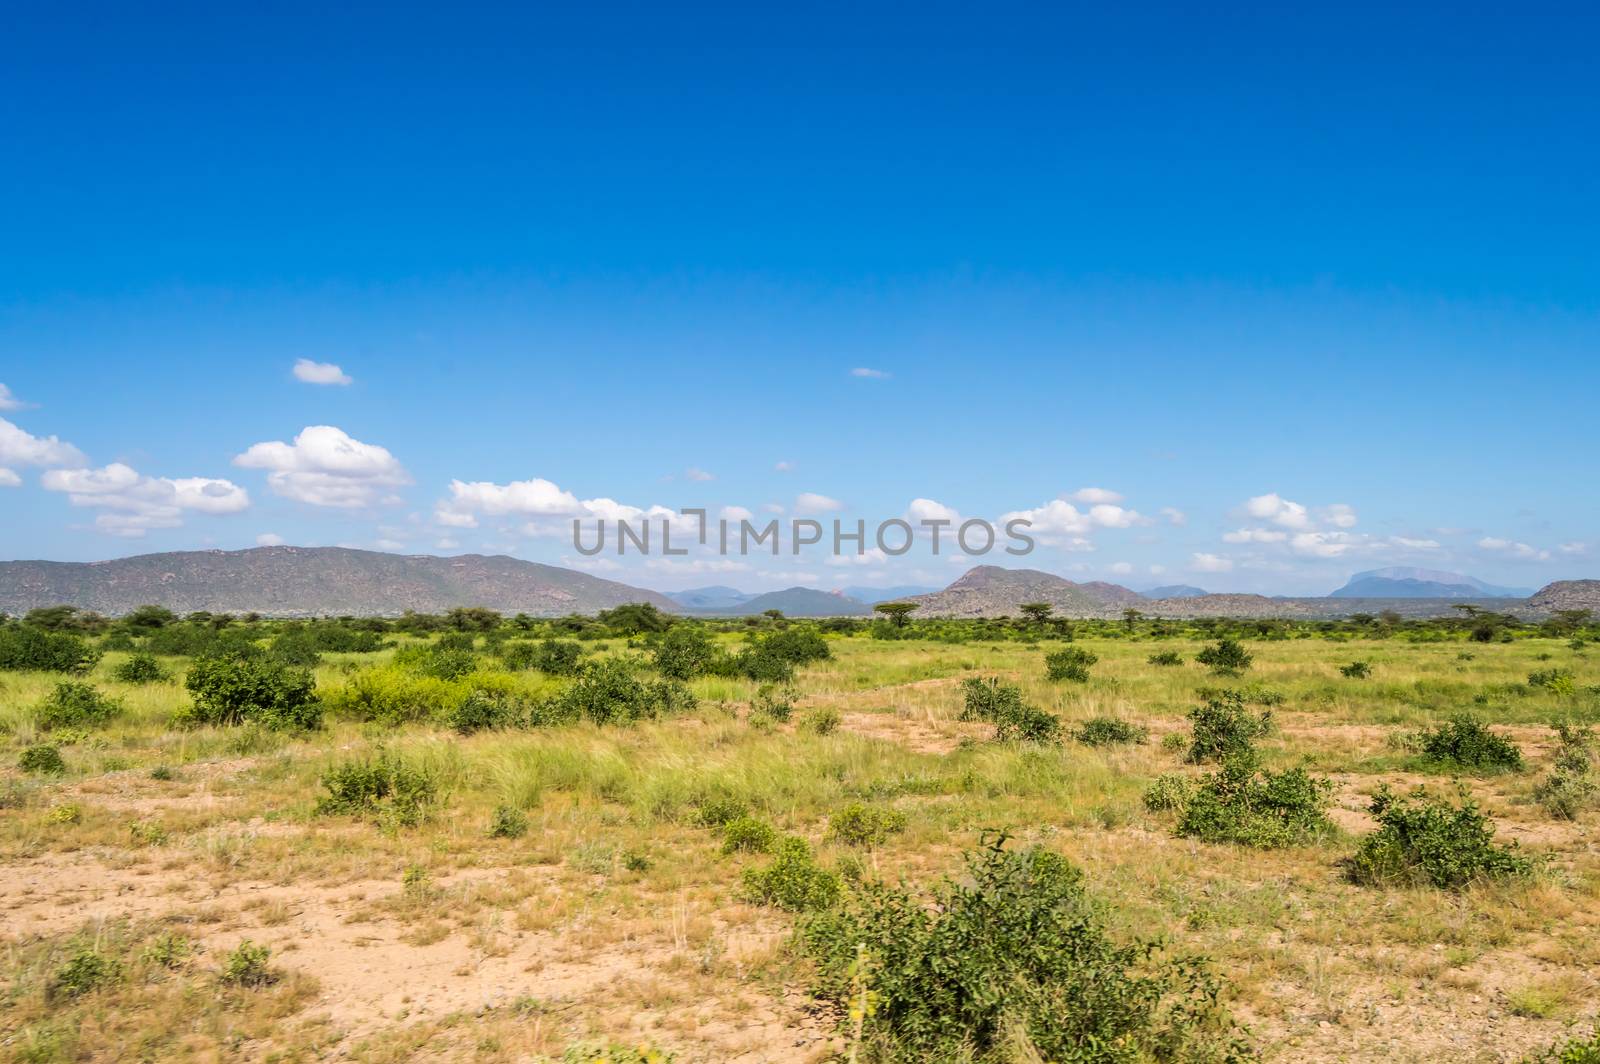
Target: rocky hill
(990, 591)
(1567, 595)
(795, 602)
(1404, 581)
(312, 581)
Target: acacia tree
(1037, 612)
(897, 612)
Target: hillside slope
(310, 581)
(990, 591)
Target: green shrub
(140, 668)
(1464, 742)
(1356, 670)
(1243, 804)
(76, 705)
(1556, 681)
(717, 811)
(392, 696)
(390, 789)
(42, 759)
(295, 647)
(793, 881)
(1227, 658)
(247, 966)
(865, 825)
(87, 970)
(440, 662)
(1070, 664)
(1570, 786)
(167, 950)
(1574, 1051)
(1423, 839)
(1223, 728)
(484, 711)
(748, 834)
(1168, 791)
(773, 702)
(24, 648)
(508, 822)
(251, 690)
(607, 692)
(1109, 731)
(553, 657)
(684, 651)
(1165, 658)
(1014, 720)
(1009, 962)
(823, 720)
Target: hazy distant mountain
(709, 598)
(1174, 591)
(990, 591)
(795, 602)
(871, 595)
(312, 581)
(1568, 595)
(1410, 582)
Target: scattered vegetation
(1464, 742)
(1423, 839)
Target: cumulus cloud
(20, 448)
(1060, 518)
(320, 373)
(735, 513)
(539, 498)
(1513, 549)
(809, 502)
(1122, 568)
(1174, 516)
(9, 401)
(325, 466)
(928, 510)
(1574, 547)
(9, 479)
(1322, 544)
(133, 504)
(1280, 511)
(1201, 562)
(1093, 495)
(269, 539)
(1255, 535)
(870, 374)
(1339, 515)
(1414, 544)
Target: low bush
(1165, 658)
(1009, 962)
(76, 705)
(1242, 803)
(295, 647)
(26, 648)
(1356, 670)
(1424, 839)
(85, 971)
(774, 703)
(247, 966)
(390, 789)
(1073, 664)
(1109, 731)
(1168, 791)
(1570, 787)
(865, 825)
(42, 759)
(1223, 728)
(484, 711)
(554, 657)
(748, 834)
(1002, 705)
(823, 720)
(684, 651)
(392, 696)
(1578, 1050)
(716, 811)
(1556, 681)
(140, 668)
(508, 822)
(251, 690)
(607, 692)
(1465, 742)
(793, 881)
(1227, 658)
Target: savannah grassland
(617, 919)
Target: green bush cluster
(1165, 658)
(1465, 742)
(1556, 681)
(553, 657)
(508, 822)
(1227, 657)
(86, 970)
(233, 690)
(42, 759)
(76, 705)
(140, 668)
(1424, 839)
(606, 691)
(794, 880)
(1009, 962)
(1109, 731)
(1356, 670)
(1245, 804)
(1223, 728)
(246, 966)
(1002, 705)
(863, 825)
(1169, 790)
(395, 792)
(25, 648)
(1073, 664)
(1570, 787)
(748, 834)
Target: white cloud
(390, 545)
(1093, 495)
(1157, 570)
(9, 401)
(773, 507)
(697, 474)
(809, 502)
(9, 478)
(324, 466)
(870, 374)
(134, 503)
(1514, 549)
(1174, 516)
(1322, 544)
(269, 539)
(928, 510)
(1339, 515)
(1060, 518)
(1574, 548)
(735, 513)
(446, 543)
(783, 467)
(1415, 544)
(539, 498)
(1280, 511)
(19, 448)
(1122, 568)
(1201, 562)
(319, 372)
(1255, 535)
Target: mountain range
(1410, 582)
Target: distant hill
(1410, 582)
(1174, 591)
(313, 581)
(1567, 595)
(795, 602)
(873, 595)
(990, 591)
(709, 598)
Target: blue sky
(1339, 263)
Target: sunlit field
(526, 882)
